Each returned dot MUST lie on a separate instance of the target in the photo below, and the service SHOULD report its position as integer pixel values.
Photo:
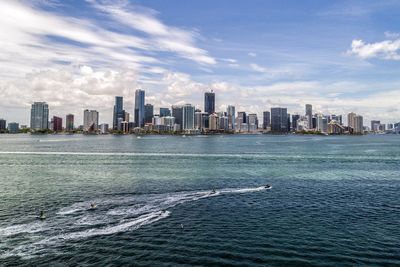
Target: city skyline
(321, 53)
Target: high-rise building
(197, 120)
(322, 124)
(241, 122)
(119, 112)
(231, 117)
(266, 119)
(188, 117)
(375, 125)
(148, 113)
(90, 120)
(213, 122)
(69, 123)
(350, 119)
(104, 128)
(177, 113)
(165, 112)
(209, 102)
(139, 107)
(279, 120)
(3, 125)
(358, 124)
(13, 127)
(295, 118)
(309, 115)
(57, 124)
(252, 123)
(39, 116)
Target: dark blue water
(335, 201)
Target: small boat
(213, 192)
(42, 216)
(267, 186)
(93, 206)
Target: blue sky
(339, 56)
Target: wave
(113, 215)
(259, 155)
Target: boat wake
(113, 215)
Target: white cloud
(163, 37)
(388, 49)
(258, 68)
(251, 54)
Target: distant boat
(267, 186)
(184, 135)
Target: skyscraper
(39, 116)
(57, 124)
(279, 120)
(295, 118)
(69, 123)
(188, 117)
(139, 107)
(309, 115)
(358, 124)
(90, 120)
(266, 119)
(165, 112)
(375, 125)
(350, 119)
(118, 111)
(148, 113)
(3, 125)
(209, 102)
(177, 113)
(231, 117)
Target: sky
(339, 56)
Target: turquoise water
(335, 201)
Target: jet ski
(93, 206)
(267, 186)
(213, 192)
(42, 216)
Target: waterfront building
(375, 125)
(104, 128)
(252, 122)
(358, 124)
(197, 120)
(266, 119)
(390, 126)
(3, 125)
(69, 123)
(279, 123)
(302, 124)
(126, 116)
(209, 102)
(90, 120)
(188, 117)
(223, 123)
(295, 118)
(337, 118)
(334, 127)
(309, 115)
(231, 117)
(148, 113)
(241, 122)
(168, 121)
(119, 112)
(165, 112)
(57, 124)
(156, 120)
(213, 122)
(13, 128)
(177, 113)
(350, 119)
(139, 108)
(39, 116)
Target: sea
(199, 200)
